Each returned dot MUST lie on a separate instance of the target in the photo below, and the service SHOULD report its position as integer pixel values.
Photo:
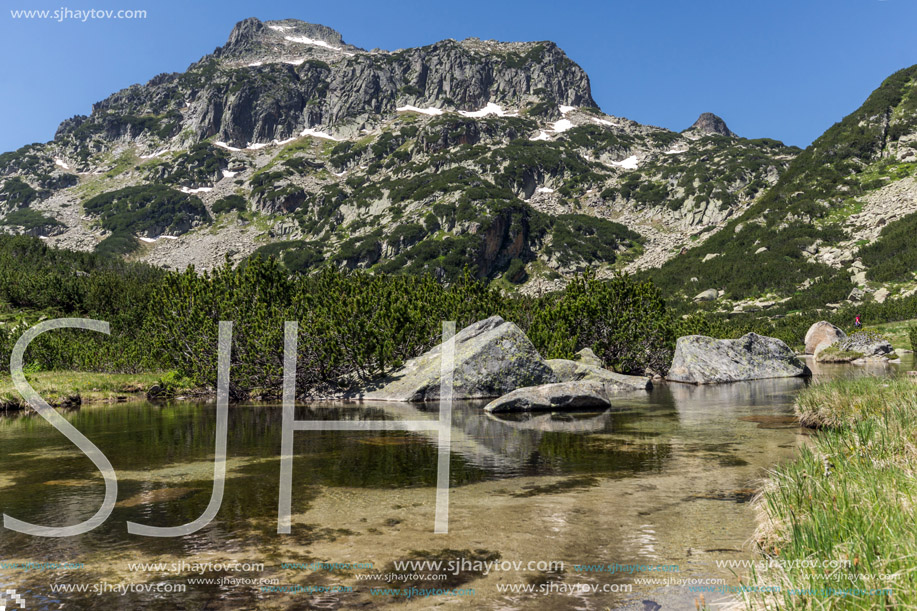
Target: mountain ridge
(415, 160)
(312, 83)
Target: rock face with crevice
(704, 360)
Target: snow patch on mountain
(426, 111)
(628, 164)
(562, 125)
(305, 40)
(490, 109)
(223, 145)
(260, 145)
(318, 134)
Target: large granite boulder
(704, 360)
(822, 333)
(867, 343)
(559, 396)
(492, 357)
(576, 371)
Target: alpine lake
(663, 479)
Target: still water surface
(664, 478)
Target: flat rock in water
(558, 396)
(705, 360)
(492, 357)
(575, 371)
(826, 353)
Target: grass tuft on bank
(62, 387)
(846, 402)
(835, 354)
(850, 498)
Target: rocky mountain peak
(315, 31)
(254, 40)
(709, 124)
(276, 80)
(245, 32)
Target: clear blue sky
(774, 68)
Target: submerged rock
(562, 395)
(822, 333)
(492, 357)
(705, 360)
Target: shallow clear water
(663, 478)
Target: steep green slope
(808, 236)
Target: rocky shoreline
(493, 359)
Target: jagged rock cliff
(271, 81)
